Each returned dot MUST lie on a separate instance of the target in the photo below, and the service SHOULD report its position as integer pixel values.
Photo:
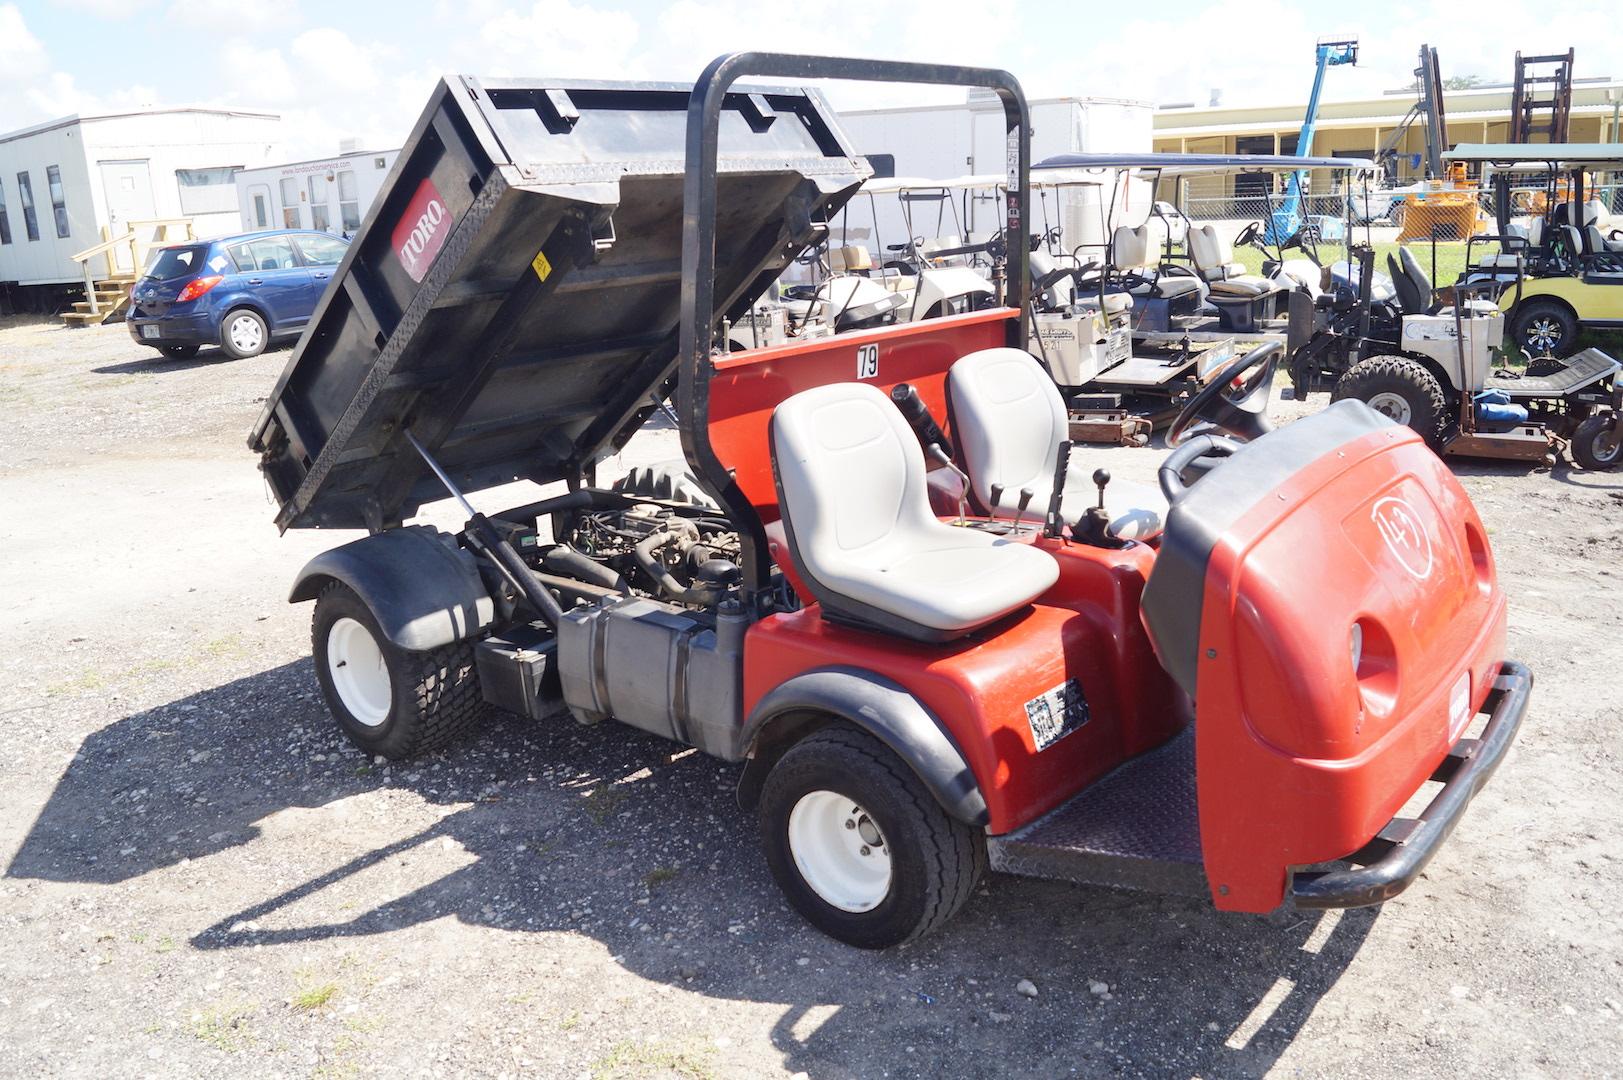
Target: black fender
(877, 705)
(423, 590)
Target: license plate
(149, 331)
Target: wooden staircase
(108, 295)
(112, 297)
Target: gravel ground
(202, 878)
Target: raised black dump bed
(513, 298)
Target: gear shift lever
(1096, 522)
(997, 498)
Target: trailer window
(25, 194)
(173, 263)
(290, 202)
(5, 221)
(59, 199)
(260, 219)
(208, 191)
(320, 212)
(349, 200)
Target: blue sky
(362, 69)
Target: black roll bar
(699, 244)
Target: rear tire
(1401, 389)
(179, 352)
(386, 700)
(859, 846)
(1597, 445)
(1545, 328)
(243, 333)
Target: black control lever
(906, 398)
(1094, 528)
(1055, 524)
(997, 498)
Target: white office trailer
(328, 194)
(968, 139)
(69, 184)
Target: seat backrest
(1595, 213)
(1008, 420)
(1061, 293)
(849, 257)
(1209, 250)
(1417, 274)
(1410, 301)
(1594, 240)
(850, 475)
(1129, 248)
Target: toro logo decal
(421, 231)
(1406, 538)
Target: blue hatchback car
(237, 292)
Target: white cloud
(25, 56)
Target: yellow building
(1358, 128)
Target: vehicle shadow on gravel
(553, 828)
(158, 364)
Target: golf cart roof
(892, 185)
(1563, 155)
(1185, 164)
(514, 298)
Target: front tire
(1597, 445)
(243, 334)
(386, 700)
(859, 846)
(1402, 389)
(1545, 328)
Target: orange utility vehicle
(933, 640)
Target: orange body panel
(1086, 627)
(1300, 759)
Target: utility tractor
(933, 641)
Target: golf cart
(1059, 676)
(1570, 247)
(1435, 366)
(1131, 324)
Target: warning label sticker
(1057, 713)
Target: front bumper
(1401, 850)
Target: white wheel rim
(358, 672)
(245, 332)
(839, 851)
(1393, 406)
(1605, 446)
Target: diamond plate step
(1137, 828)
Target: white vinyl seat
(860, 531)
(1008, 419)
(1137, 250)
(1213, 256)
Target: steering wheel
(1234, 401)
(1249, 234)
(995, 247)
(1206, 451)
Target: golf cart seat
(1137, 251)
(862, 536)
(1241, 299)
(1411, 281)
(1009, 419)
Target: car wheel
(179, 352)
(387, 700)
(1401, 389)
(859, 846)
(1598, 443)
(1545, 328)
(243, 334)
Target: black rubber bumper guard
(1401, 850)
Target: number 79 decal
(867, 361)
